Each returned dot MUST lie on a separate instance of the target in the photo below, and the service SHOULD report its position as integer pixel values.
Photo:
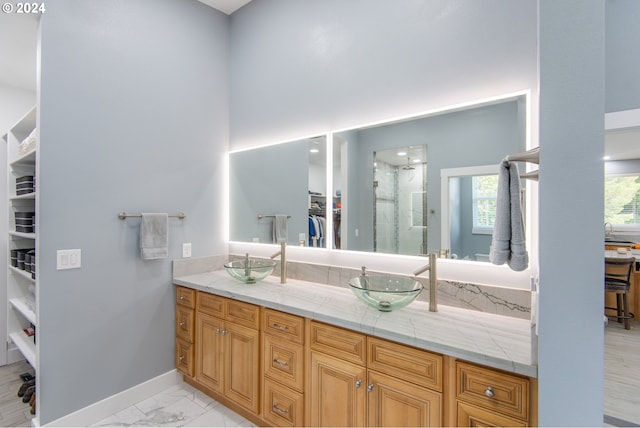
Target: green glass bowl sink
(250, 271)
(385, 293)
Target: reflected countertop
(493, 340)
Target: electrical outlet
(186, 250)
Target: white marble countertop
(493, 340)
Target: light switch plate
(69, 259)
(186, 250)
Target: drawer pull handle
(181, 323)
(280, 363)
(279, 410)
(220, 331)
(489, 392)
(280, 327)
(181, 357)
(358, 383)
(370, 387)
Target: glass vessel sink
(249, 270)
(385, 292)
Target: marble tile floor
(178, 406)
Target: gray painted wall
(304, 67)
(570, 353)
(622, 62)
(134, 117)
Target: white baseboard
(104, 408)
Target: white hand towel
(280, 228)
(154, 237)
(508, 241)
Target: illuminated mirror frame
(463, 271)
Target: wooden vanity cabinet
(283, 368)
(279, 369)
(185, 323)
(364, 381)
(227, 349)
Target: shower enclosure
(400, 200)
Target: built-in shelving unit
(21, 277)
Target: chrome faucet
(283, 261)
(608, 232)
(433, 281)
(363, 277)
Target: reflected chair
(617, 279)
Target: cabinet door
(396, 403)
(337, 392)
(209, 355)
(242, 366)
(472, 416)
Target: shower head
(408, 167)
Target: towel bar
(122, 215)
(268, 215)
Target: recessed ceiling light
(606, 157)
(402, 153)
(314, 150)
(416, 161)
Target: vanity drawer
(185, 297)
(184, 323)
(282, 407)
(284, 361)
(210, 304)
(345, 344)
(405, 362)
(283, 325)
(493, 390)
(184, 357)
(242, 313)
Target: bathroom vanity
(305, 354)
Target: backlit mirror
(283, 179)
(465, 137)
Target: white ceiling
(226, 6)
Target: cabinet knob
(181, 357)
(358, 383)
(182, 297)
(279, 410)
(181, 323)
(370, 387)
(489, 392)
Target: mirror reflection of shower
(400, 200)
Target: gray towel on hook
(508, 241)
(279, 228)
(154, 238)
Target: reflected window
(484, 194)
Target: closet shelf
(25, 345)
(21, 306)
(27, 196)
(23, 273)
(26, 159)
(23, 235)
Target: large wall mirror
(386, 192)
(374, 216)
(283, 179)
